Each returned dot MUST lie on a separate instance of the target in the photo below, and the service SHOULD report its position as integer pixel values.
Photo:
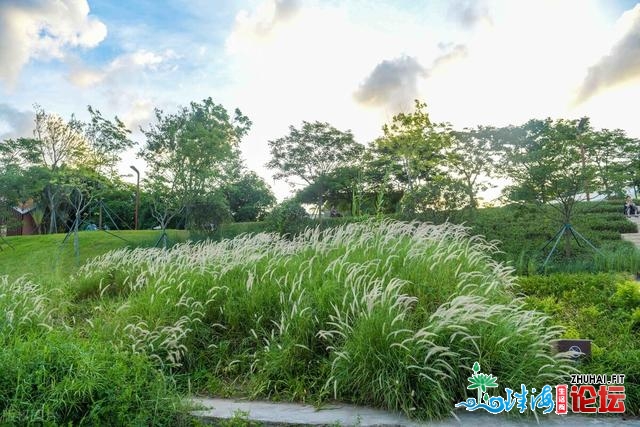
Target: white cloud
(86, 77)
(41, 29)
(266, 17)
(622, 62)
(15, 123)
(392, 83)
(395, 84)
(124, 65)
(139, 114)
(470, 13)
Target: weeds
(385, 313)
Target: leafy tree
(209, 211)
(186, 154)
(544, 160)
(341, 187)
(311, 153)
(288, 218)
(470, 158)
(55, 142)
(413, 148)
(249, 197)
(107, 140)
(612, 153)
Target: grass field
(522, 231)
(381, 313)
(51, 257)
(387, 314)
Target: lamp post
(137, 195)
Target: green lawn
(50, 257)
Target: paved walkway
(633, 237)
(292, 414)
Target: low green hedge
(599, 307)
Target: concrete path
(291, 414)
(633, 237)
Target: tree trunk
(53, 224)
(76, 241)
(567, 208)
(567, 243)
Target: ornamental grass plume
(385, 313)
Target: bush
(58, 379)
(603, 308)
(627, 295)
(288, 218)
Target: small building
(23, 223)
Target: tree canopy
(311, 153)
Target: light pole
(137, 195)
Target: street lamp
(137, 195)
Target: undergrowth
(388, 314)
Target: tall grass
(24, 308)
(385, 313)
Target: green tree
(470, 158)
(56, 142)
(107, 140)
(56, 145)
(612, 154)
(186, 154)
(311, 153)
(413, 149)
(249, 197)
(544, 161)
(342, 187)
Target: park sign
(586, 393)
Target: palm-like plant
(481, 381)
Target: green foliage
(521, 232)
(382, 313)
(58, 379)
(239, 419)
(470, 156)
(627, 295)
(599, 307)
(249, 198)
(635, 319)
(24, 307)
(311, 154)
(289, 217)
(188, 153)
(207, 212)
(107, 140)
(412, 150)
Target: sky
(353, 64)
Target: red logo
(607, 399)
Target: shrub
(627, 295)
(58, 379)
(602, 308)
(288, 218)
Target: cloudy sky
(351, 63)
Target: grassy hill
(275, 318)
(50, 257)
(522, 231)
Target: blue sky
(351, 63)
